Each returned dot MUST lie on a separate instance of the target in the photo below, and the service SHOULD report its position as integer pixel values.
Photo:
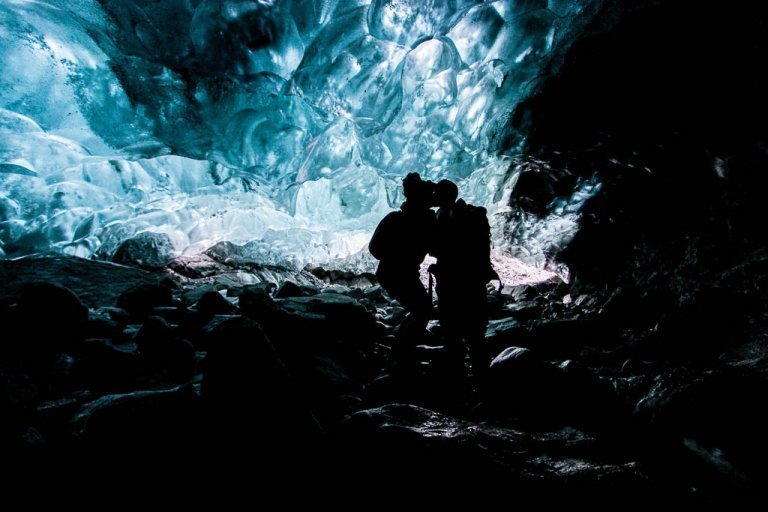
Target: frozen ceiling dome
(285, 123)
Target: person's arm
(381, 242)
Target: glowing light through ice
(286, 123)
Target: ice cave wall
(286, 124)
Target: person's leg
(475, 327)
(451, 303)
(415, 300)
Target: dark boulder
(291, 289)
(105, 366)
(213, 303)
(250, 396)
(718, 415)
(163, 351)
(141, 423)
(147, 249)
(523, 386)
(45, 319)
(140, 300)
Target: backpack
(477, 224)
(474, 231)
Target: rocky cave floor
(212, 357)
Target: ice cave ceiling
(283, 124)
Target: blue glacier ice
(284, 124)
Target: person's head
(446, 193)
(412, 185)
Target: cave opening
(188, 189)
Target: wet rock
(412, 442)
(140, 300)
(153, 250)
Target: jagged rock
(342, 277)
(140, 300)
(153, 250)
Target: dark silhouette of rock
(140, 300)
(96, 283)
(163, 351)
(522, 385)
(152, 250)
(717, 417)
(212, 303)
(291, 289)
(345, 317)
(44, 319)
(251, 398)
(103, 327)
(106, 366)
(140, 423)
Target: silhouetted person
(462, 246)
(400, 243)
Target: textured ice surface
(284, 124)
